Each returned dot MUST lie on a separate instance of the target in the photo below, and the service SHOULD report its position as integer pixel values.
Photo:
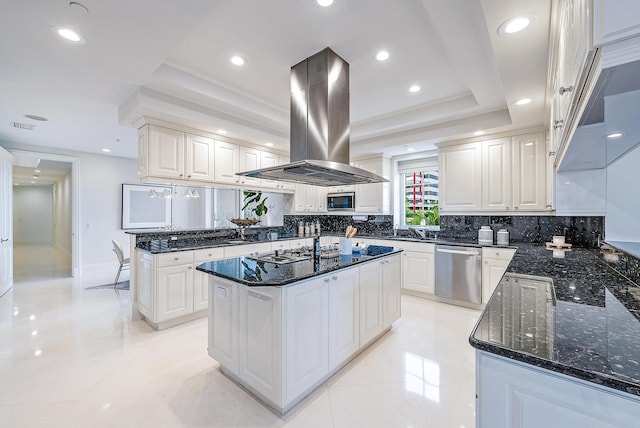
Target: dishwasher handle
(466, 253)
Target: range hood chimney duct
(319, 148)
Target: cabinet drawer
(207, 254)
(174, 259)
(498, 253)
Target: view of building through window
(421, 197)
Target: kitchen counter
(251, 272)
(573, 315)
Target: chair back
(118, 250)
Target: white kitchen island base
(282, 342)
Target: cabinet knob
(327, 280)
(558, 124)
(563, 90)
(180, 175)
(334, 277)
(189, 175)
(190, 267)
(176, 259)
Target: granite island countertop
(254, 273)
(573, 315)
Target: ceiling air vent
(20, 125)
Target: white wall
(33, 214)
(100, 185)
(62, 214)
(623, 199)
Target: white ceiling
(45, 173)
(170, 60)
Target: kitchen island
(282, 329)
(558, 344)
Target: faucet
(419, 232)
(395, 229)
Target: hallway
(32, 262)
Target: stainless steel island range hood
(319, 148)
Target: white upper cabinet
(227, 162)
(168, 153)
(249, 160)
(529, 172)
(496, 174)
(200, 160)
(268, 160)
(460, 169)
(165, 149)
(374, 198)
(615, 20)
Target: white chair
(124, 263)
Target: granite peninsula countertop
(251, 272)
(573, 315)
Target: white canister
(503, 237)
(345, 246)
(485, 235)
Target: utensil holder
(345, 246)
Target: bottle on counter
(503, 237)
(318, 227)
(300, 228)
(307, 231)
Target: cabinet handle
(189, 175)
(4, 240)
(558, 124)
(334, 277)
(180, 175)
(563, 90)
(497, 254)
(327, 280)
(176, 259)
(190, 267)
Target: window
(420, 186)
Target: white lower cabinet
(344, 316)
(306, 333)
(494, 265)
(170, 288)
(514, 394)
(418, 270)
(260, 340)
(282, 342)
(370, 302)
(175, 292)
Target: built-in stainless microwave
(345, 201)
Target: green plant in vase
(259, 209)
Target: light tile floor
(69, 357)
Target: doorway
(45, 216)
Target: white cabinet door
(301, 198)
(226, 162)
(143, 151)
(496, 174)
(145, 285)
(418, 273)
(268, 160)
(6, 221)
(249, 160)
(284, 185)
(460, 177)
(492, 271)
(321, 200)
(391, 278)
(344, 316)
(201, 279)
(529, 172)
(260, 340)
(200, 161)
(370, 301)
(615, 20)
(306, 335)
(373, 198)
(175, 292)
(166, 152)
(223, 323)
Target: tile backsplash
(579, 231)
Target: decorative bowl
(243, 222)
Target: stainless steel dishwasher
(459, 273)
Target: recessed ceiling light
(34, 176)
(221, 132)
(34, 117)
(515, 25)
(268, 144)
(324, 3)
(237, 60)
(478, 133)
(382, 56)
(615, 135)
(410, 149)
(37, 170)
(522, 101)
(69, 35)
(414, 88)
(106, 150)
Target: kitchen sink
(239, 241)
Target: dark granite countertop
(248, 271)
(167, 245)
(573, 315)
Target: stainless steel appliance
(319, 145)
(345, 201)
(459, 273)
